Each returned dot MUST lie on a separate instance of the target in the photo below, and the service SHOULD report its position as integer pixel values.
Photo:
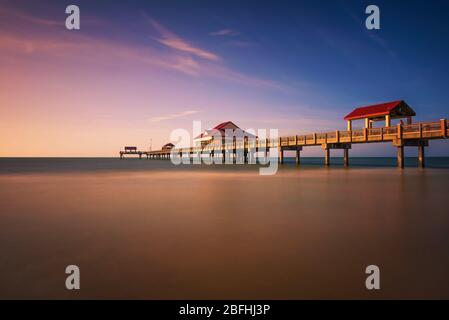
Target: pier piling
(327, 157)
(421, 156)
(298, 156)
(346, 157)
(400, 157)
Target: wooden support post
(298, 156)
(326, 156)
(223, 150)
(346, 157)
(421, 156)
(280, 151)
(245, 150)
(267, 149)
(349, 125)
(399, 131)
(443, 128)
(401, 157)
(337, 136)
(256, 151)
(387, 121)
(314, 138)
(366, 123)
(234, 150)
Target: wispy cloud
(174, 116)
(183, 58)
(22, 16)
(241, 44)
(225, 32)
(14, 14)
(173, 41)
(371, 34)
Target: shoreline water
(222, 232)
(60, 165)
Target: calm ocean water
(146, 229)
(42, 165)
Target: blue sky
(298, 66)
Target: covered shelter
(224, 130)
(167, 146)
(130, 149)
(381, 112)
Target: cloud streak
(224, 32)
(182, 58)
(174, 116)
(22, 16)
(381, 42)
(171, 40)
(17, 15)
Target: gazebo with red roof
(222, 129)
(380, 112)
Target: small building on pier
(223, 130)
(130, 149)
(381, 112)
(167, 146)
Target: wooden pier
(401, 136)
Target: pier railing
(418, 131)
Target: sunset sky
(139, 69)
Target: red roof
(373, 110)
(222, 129)
(222, 125)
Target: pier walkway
(401, 135)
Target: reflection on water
(216, 233)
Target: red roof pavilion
(379, 112)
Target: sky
(136, 70)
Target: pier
(402, 135)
